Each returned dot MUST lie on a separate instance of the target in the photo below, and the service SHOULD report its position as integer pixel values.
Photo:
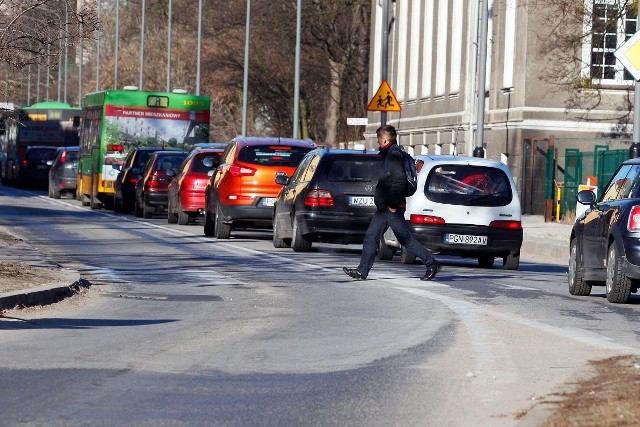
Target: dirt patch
(607, 399)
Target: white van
(464, 206)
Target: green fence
(601, 163)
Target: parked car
(33, 168)
(328, 199)
(125, 184)
(186, 188)
(63, 172)
(153, 182)
(464, 206)
(242, 190)
(605, 240)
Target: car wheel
(55, 192)
(299, 243)
(50, 189)
(577, 284)
(147, 211)
(183, 218)
(511, 262)
(94, 203)
(618, 285)
(279, 242)
(172, 218)
(222, 230)
(209, 224)
(127, 205)
(486, 261)
(137, 211)
(407, 257)
(117, 204)
(385, 252)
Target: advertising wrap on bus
(116, 121)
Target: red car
(242, 191)
(186, 189)
(153, 183)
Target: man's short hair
(389, 130)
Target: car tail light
(510, 225)
(133, 179)
(24, 163)
(63, 157)
(152, 184)
(319, 198)
(236, 170)
(426, 219)
(634, 219)
(115, 147)
(240, 197)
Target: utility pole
(385, 52)
(482, 77)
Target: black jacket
(392, 181)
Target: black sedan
(605, 240)
(329, 198)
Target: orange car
(242, 190)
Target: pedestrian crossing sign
(384, 99)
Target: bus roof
(50, 105)
(147, 99)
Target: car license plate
(361, 201)
(41, 166)
(268, 201)
(465, 239)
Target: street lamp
(142, 45)
(296, 84)
(169, 49)
(245, 88)
(199, 44)
(115, 63)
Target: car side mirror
(210, 173)
(586, 197)
(282, 178)
(49, 162)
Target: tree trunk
(333, 103)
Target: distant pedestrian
(390, 202)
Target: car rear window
(143, 156)
(198, 166)
(41, 154)
(272, 155)
(468, 185)
(72, 156)
(354, 168)
(170, 161)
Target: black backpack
(410, 171)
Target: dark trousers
(397, 223)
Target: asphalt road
(180, 329)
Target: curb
(46, 294)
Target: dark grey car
(329, 198)
(63, 172)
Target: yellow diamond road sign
(629, 55)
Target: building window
(613, 22)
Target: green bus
(115, 121)
(46, 123)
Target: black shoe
(432, 270)
(354, 273)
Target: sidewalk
(544, 242)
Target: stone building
(432, 70)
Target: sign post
(629, 55)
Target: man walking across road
(391, 204)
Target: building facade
(433, 69)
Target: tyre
(511, 262)
(618, 285)
(486, 261)
(209, 224)
(137, 211)
(577, 284)
(50, 189)
(172, 218)
(56, 193)
(222, 230)
(299, 243)
(279, 242)
(407, 257)
(183, 218)
(385, 252)
(147, 211)
(117, 204)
